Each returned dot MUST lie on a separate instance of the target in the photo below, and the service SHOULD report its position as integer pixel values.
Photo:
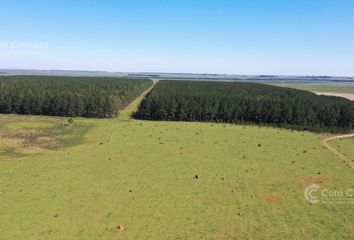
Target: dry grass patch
(316, 179)
(21, 136)
(274, 197)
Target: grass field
(141, 174)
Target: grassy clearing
(141, 175)
(131, 108)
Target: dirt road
(325, 143)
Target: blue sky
(304, 37)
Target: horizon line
(181, 73)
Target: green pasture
(168, 180)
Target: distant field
(320, 87)
(141, 174)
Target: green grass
(320, 87)
(140, 174)
(29, 125)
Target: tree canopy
(100, 97)
(237, 102)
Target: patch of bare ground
(344, 95)
(227, 233)
(316, 179)
(274, 198)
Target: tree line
(236, 102)
(100, 97)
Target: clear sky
(304, 37)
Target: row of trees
(246, 103)
(68, 96)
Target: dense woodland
(68, 96)
(235, 102)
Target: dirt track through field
(325, 143)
